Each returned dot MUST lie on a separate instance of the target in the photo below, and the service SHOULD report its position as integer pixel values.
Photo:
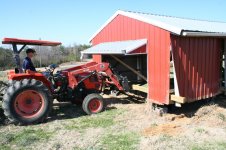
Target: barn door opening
(134, 67)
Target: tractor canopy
(29, 42)
(14, 42)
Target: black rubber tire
(14, 90)
(88, 98)
(3, 86)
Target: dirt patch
(196, 120)
(168, 129)
(176, 124)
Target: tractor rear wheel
(93, 104)
(27, 102)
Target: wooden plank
(140, 88)
(178, 99)
(130, 68)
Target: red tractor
(28, 97)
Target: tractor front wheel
(93, 104)
(27, 102)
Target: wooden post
(176, 89)
(139, 67)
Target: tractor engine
(87, 83)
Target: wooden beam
(138, 87)
(130, 68)
(178, 99)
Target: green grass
(23, 138)
(154, 125)
(3, 76)
(165, 137)
(222, 117)
(121, 141)
(103, 120)
(201, 130)
(209, 146)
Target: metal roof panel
(175, 25)
(120, 47)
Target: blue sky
(74, 21)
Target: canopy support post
(17, 58)
(22, 48)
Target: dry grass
(123, 127)
(3, 76)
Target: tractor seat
(17, 70)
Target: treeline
(45, 55)
(6, 59)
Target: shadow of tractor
(66, 110)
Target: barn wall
(124, 28)
(197, 65)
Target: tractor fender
(37, 76)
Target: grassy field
(125, 125)
(3, 76)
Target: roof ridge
(186, 18)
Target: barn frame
(178, 59)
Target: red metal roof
(29, 42)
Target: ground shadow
(2, 117)
(189, 109)
(66, 110)
(62, 111)
(125, 100)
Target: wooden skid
(140, 88)
(178, 99)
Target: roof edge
(126, 50)
(159, 24)
(203, 34)
(105, 24)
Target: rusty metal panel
(158, 50)
(197, 65)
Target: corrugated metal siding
(197, 65)
(124, 28)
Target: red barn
(179, 60)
